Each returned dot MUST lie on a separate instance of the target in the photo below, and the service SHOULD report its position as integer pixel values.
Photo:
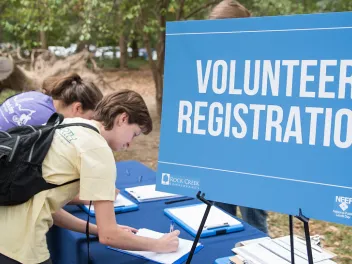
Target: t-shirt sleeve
(97, 175)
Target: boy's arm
(112, 235)
(66, 220)
(77, 200)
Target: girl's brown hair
(70, 88)
(229, 9)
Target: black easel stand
(305, 221)
(205, 216)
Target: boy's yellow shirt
(76, 152)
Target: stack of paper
(148, 193)
(278, 250)
(175, 257)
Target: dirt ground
(336, 238)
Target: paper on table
(282, 251)
(119, 201)
(192, 216)
(148, 193)
(301, 249)
(259, 255)
(183, 248)
(251, 241)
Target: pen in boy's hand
(172, 226)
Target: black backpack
(22, 151)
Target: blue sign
(257, 113)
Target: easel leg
(204, 219)
(309, 246)
(305, 221)
(291, 240)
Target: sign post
(257, 113)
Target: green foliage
(24, 19)
(287, 7)
(101, 22)
(5, 94)
(274, 7)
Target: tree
(25, 21)
(149, 18)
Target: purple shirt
(28, 108)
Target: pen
(179, 200)
(216, 226)
(171, 226)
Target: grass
(132, 64)
(5, 94)
(334, 237)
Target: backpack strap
(90, 204)
(79, 124)
(54, 118)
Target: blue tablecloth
(68, 247)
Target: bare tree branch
(180, 10)
(18, 50)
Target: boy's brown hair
(229, 9)
(70, 88)
(124, 101)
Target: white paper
(301, 249)
(251, 241)
(119, 201)
(184, 248)
(192, 216)
(261, 251)
(148, 193)
(282, 251)
(259, 255)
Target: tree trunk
(81, 46)
(159, 94)
(0, 33)
(157, 74)
(123, 51)
(45, 66)
(19, 81)
(6, 67)
(161, 58)
(43, 41)
(134, 47)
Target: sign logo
(165, 179)
(179, 181)
(342, 204)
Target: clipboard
(148, 193)
(218, 222)
(121, 205)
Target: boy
(79, 152)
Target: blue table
(68, 247)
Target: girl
(68, 95)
